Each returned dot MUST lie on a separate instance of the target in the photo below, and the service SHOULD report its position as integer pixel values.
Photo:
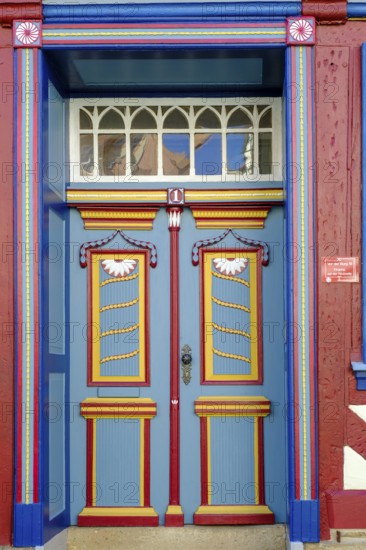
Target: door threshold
(195, 537)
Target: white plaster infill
(360, 410)
(354, 470)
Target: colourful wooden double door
(177, 376)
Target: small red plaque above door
(340, 270)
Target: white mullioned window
(175, 140)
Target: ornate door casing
(303, 495)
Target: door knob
(186, 360)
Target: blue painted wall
(55, 314)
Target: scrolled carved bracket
(249, 243)
(100, 243)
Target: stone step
(265, 537)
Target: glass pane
(176, 154)
(208, 119)
(208, 154)
(144, 154)
(111, 120)
(261, 108)
(239, 119)
(265, 152)
(266, 120)
(86, 154)
(240, 153)
(112, 154)
(85, 121)
(176, 120)
(143, 120)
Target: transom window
(175, 139)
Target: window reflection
(112, 154)
(144, 154)
(86, 154)
(176, 154)
(265, 152)
(176, 120)
(111, 120)
(208, 154)
(240, 153)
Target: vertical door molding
(300, 258)
(28, 520)
(174, 514)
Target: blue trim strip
(304, 520)
(359, 367)
(200, 12)
(358, 9)
(291, 414)
(28, 525)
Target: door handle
(186, 361)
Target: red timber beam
(326, 12)
(174, 515)
(9, 11)
(13, 9)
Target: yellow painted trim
(119, 279)
(209, 474)
(193, 195)
(142, 462)
(120, 400)
(229, 304)
(230, 355)
(94, 463)
(28, 290)
(174, 510)
(255, 509)
(229, 214)
(208, 322)
(230, 278)
(97, 310)
(146, 414)
(227, 398)
(122, 407)
(303, 270)
(119, 215)
(243, 224)
(119, 330)
(231, 330)
(141, 226)
(117, 357)
(119, 306)
(100, 196)
(243, 406)
(100, 511)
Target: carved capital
(174, 217)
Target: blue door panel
(273, 387)
(232, 478)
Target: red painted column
(7, 285)
(174, 515)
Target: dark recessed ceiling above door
(124, 71)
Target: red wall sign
(340, 270)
